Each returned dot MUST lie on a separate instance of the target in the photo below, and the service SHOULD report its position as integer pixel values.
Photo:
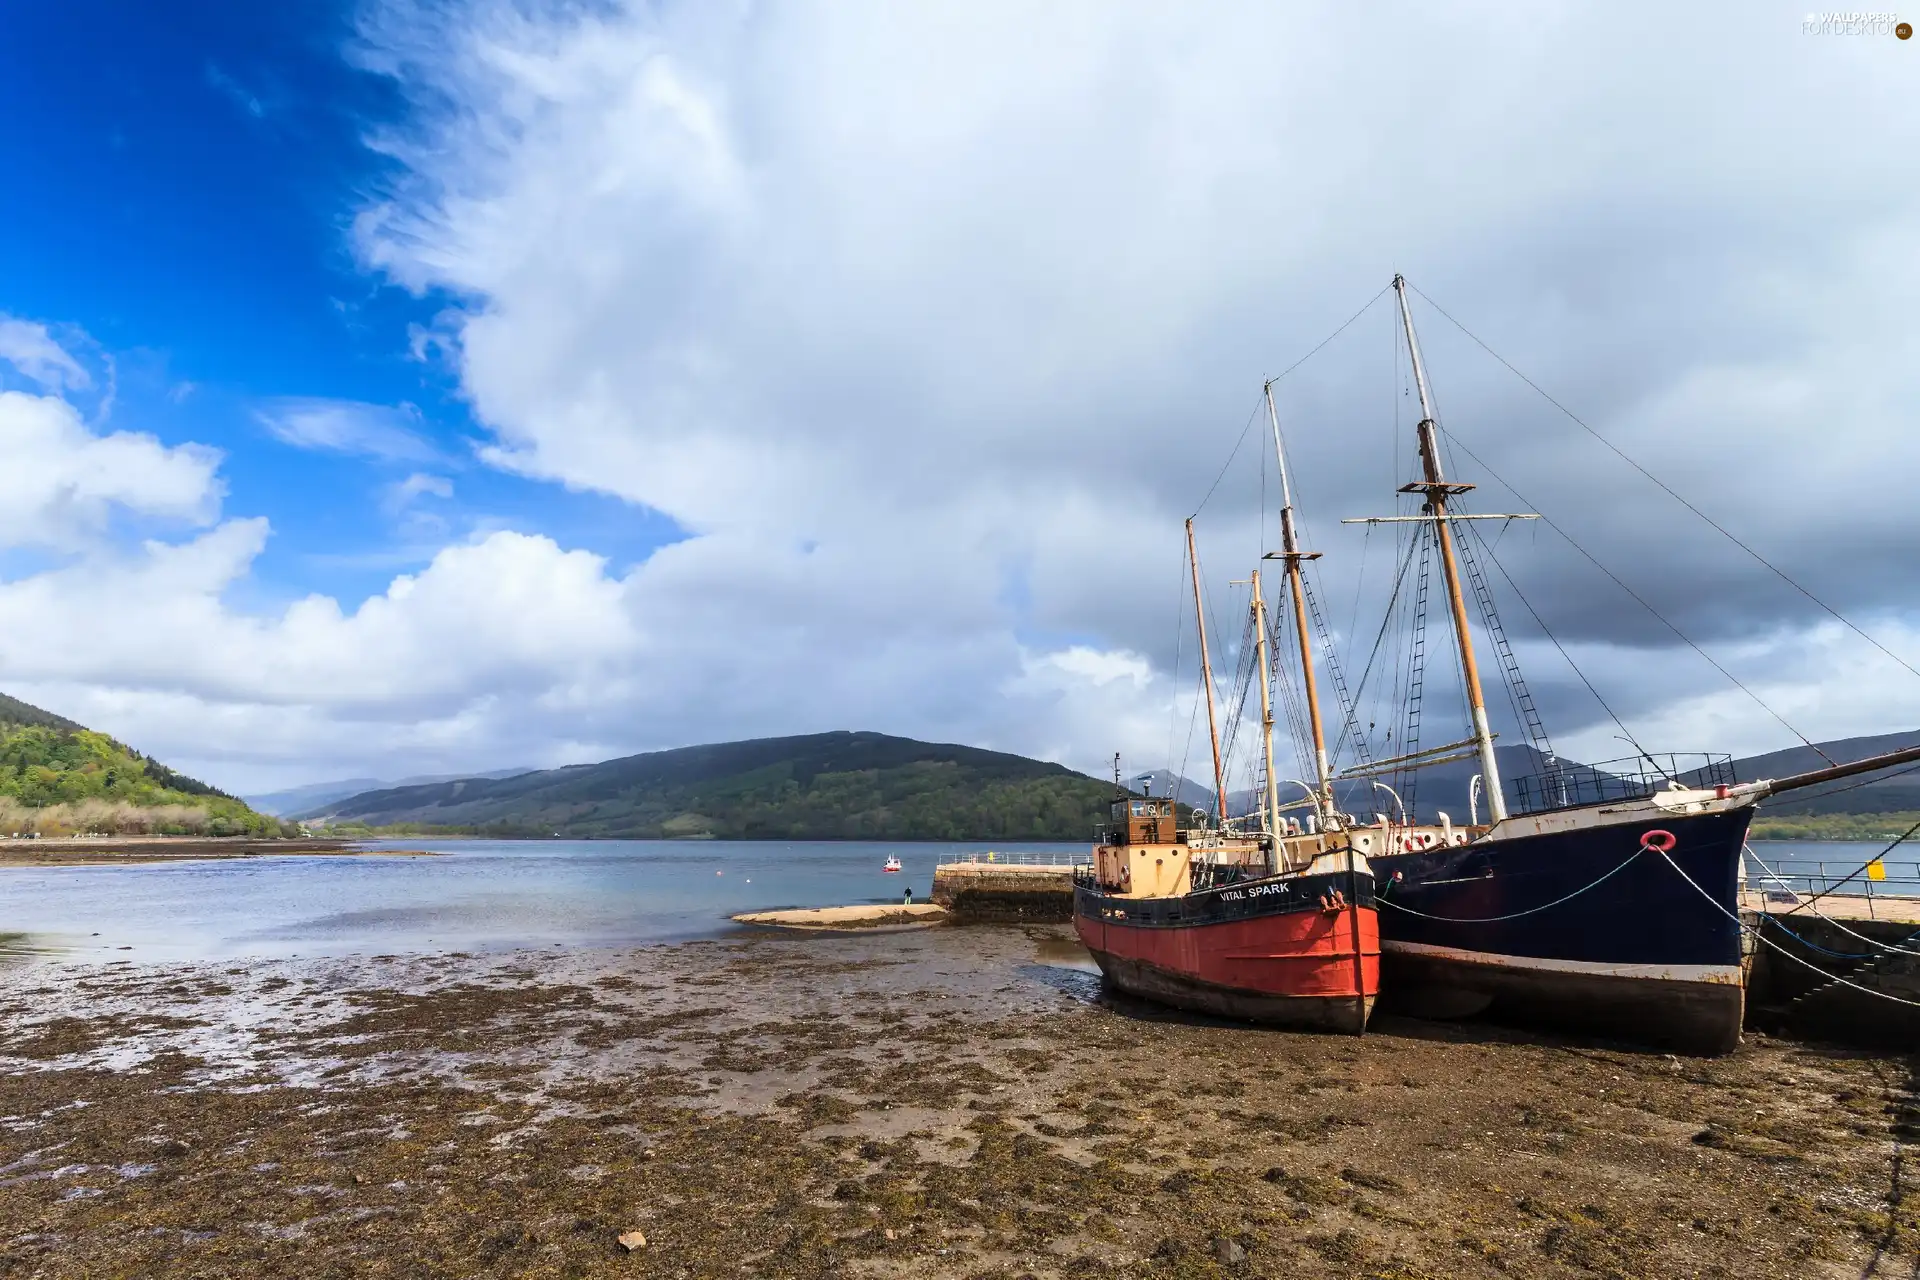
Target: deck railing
(1572, 784)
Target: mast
(1206, 680)
(1272, 807)
(1437, 490)
(1291, 553)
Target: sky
(408, 387)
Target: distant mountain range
(825, 786)
(318, 795)
(872, 786)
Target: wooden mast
(1206, 679)
(1272, 807)
(1437, 491)
(1290, 552)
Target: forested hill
(825, 786)
(61, 778)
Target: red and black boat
(1264, 920)
(1194, 919)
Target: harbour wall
(989, 891)
(1814, 977)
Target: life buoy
(1658, 841)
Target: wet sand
(867, 916)
(943, 1103)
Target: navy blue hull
(1637, 953)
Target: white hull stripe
(1729, 974)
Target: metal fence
(984, 857)
(1787, 880)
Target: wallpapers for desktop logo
(1855, 22)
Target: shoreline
(80, 851)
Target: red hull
(1294, 969)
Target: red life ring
(1658, 841)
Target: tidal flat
(957, 1102)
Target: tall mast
(1266, 716)
(1291, 553)
(1206, 679)
(1437, 490)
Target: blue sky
(189, 176)
(808, 366)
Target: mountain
(318, 795)
(824, 786)
(58, 777)
(1882, 791)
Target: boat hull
(1264, 950)
(1633, 950)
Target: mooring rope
(1383, 901)
(1766, 941)
(1774, 876)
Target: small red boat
(1205, 925)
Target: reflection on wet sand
(957, 1102)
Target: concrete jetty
(982, 889)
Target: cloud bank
(929, 324)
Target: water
(484, 895)
(1812, 866)
(479, 895)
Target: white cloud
(930, 323)
(28, 347)
(347, 426)
(62, 483)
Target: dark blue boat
(1586, 926)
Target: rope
(1516, 915)
(1766, 941)
(1774, 876)
(1898, 841)
(1668, 490)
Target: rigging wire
(1898, 841)
(1386, 622)
(1641, 600)
(1769, 873)
(1864, 782)
(1669, 491)
(1548, 632)
(1173, 714)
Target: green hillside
(60, 778)
(828, 786)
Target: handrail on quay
(1785, 879)
(994, 858)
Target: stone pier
(1001, 891)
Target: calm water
(479, 895)
(490, 895)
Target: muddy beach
(948, 1102)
